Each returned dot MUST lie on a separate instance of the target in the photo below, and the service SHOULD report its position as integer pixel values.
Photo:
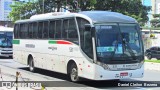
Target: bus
(97, 45)
(6, 36)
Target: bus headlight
(140, 64)
(105, 66)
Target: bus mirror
(87, 27)
(93, 31)
(90, 29)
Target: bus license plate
(124, 74)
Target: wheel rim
(74, 74)
(149, 56)
(31, 65)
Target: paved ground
(152, 66)
(9, 68)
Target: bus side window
(23, 30)
(72, 31)
(30, 30)
(26, 30)
(45, 29)
(40, 28)
(16, 31)
(35, 30)
(81, 25)
(51, 29)
(85, 37)
(58, 29)
(65, 29)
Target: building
(148, 3)
(5, 9)
(155, 8)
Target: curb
(152, 66)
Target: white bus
(96, 45)
(6, 36)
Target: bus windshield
(6, 39)
(114, 41)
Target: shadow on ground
(82, 83)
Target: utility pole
(43, 6)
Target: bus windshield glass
(114, 41)
(6, 39)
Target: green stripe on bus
(16, 41)
(52, 42)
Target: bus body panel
(47, 56)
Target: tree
(24, 10)
(156, 21)
(133, 8)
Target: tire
(73, 73)
(31, 64)
(149, 56)
(158, 58)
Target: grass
(154, 61)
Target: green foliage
(133, 8)
(154, 61)
(26, 10)
(156, 21)
(156, 15)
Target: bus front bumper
(6, 53)
(102, 74)
(99, 73)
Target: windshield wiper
(115, 48)
(129, 49)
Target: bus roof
(107, 16)
(94, 16)
(6, 29)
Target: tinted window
(35, 30)
(58, 29)
(45, 29)
(154, 48)
(24, 30)
(51, 29)
(85, 37)
(16, 29)
(30, 33)
(40, 28)
(81, 25)
(65, 29)
(72, 31)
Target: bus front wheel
(74, 73)
(31, 65)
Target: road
(8, 69)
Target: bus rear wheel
(31, 65)
(74, 73)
